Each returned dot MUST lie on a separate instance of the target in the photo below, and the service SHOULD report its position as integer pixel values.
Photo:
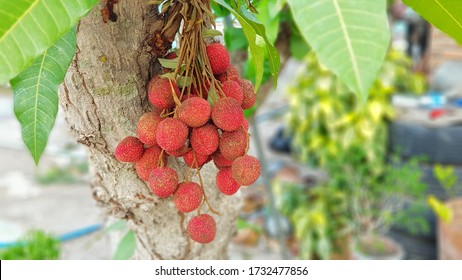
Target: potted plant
(332, 130)
(449, 214)
(377, 192)
(319, 218)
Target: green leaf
(268, 19)
(182, 81)
(250, 70)
(447, 178)
(446, 15)
(351, 38)
(210, 33)
(36, 93)
(168, 63)
(276, 6)
(30, 27)
(126, 247)
(235, 39)
(440, 209)
(218, 10)
(255, 33)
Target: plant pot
(377, 248)
(450, 234)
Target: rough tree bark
(103, 96)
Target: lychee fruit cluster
(184, 124)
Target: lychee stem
(175, 98)
(168, 114)
(247, 140)
(160, 162)
(205, 196)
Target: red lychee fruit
(230, 74)
(194, 111)
(220, 161)
(200, 159)
(147, 126)
(246, 170)
(163, 181)
(233, 89)
(180, 152)
(202, 228)
(204, 139)
(218, 57)
(171, 134)
(227, 114)
(160, 92)
(233, 144)
(226, 183)
(150, 160)
(188, 197)
(130, 149)
(249, 93)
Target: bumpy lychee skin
(226, 183)
(220, 161)
(233, 144)
(230, 74)
(188, 197)
(233, 89)
(130, 149)
(160, 92)
(198, 163)
(250, 96)
(149, 161)
(194, 111)
(180, 152)
(163, 181)
(202, 228)
(204, 139)
(147, 126)
(227, 114)
(246, 170)
(171, 134)
(218, 57)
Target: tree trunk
(103, 96)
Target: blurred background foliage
(326, 118)
(36, 245)
(366, 190)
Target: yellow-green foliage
(326, 117)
